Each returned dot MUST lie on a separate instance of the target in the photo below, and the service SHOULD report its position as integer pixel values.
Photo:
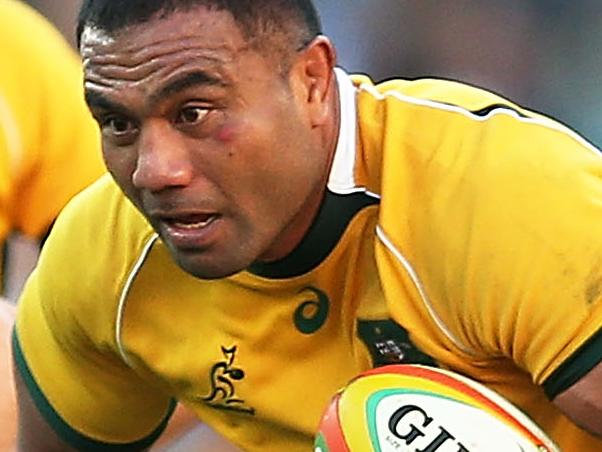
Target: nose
(163, 160)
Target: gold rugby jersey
(49, 143)
(458, 230)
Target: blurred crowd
(541, 53)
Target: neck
(292, 235)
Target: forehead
(199, 38)
(213, 27)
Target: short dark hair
(259, 20)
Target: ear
(314, 72)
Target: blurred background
(543, 54)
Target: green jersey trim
(574, 368)
(64, 430)
(332, 219)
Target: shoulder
(433, 93)
(76, 287)
(449, 123)
(87, 258)
(484, 200)
(456, 150)
(429, 107)
(99, 225)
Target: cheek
(121, 164)
(242, 145)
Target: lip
(190, 231)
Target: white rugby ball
(413, 408)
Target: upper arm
(72, 385)
(582, 402)
(69, 369)
(67, 399)
(34, 433)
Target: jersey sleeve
(64, 344)
(525, 257)
(490, 216)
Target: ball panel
(470, 392)
(330, 436)
(426, 420)
(413, 407)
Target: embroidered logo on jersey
(311, 315)
(389, 343)
(224, 375)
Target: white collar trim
(342, 178)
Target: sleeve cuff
(574, 368)
(64, 430)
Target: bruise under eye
(226, 133)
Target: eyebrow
(188, 80)
(95, 99)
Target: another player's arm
(582, 402)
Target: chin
(207, 270)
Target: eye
(191, 115)
(118, 126)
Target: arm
(86, 402)
(39, 436)
(582, 402)
(71, 380)
(33, 431)
(531, 262)
(89, 423)
(183, 432)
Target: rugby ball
(416, 408)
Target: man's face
(206, 137)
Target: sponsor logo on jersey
(311, 315)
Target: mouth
(190, 231)
(189, 222)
